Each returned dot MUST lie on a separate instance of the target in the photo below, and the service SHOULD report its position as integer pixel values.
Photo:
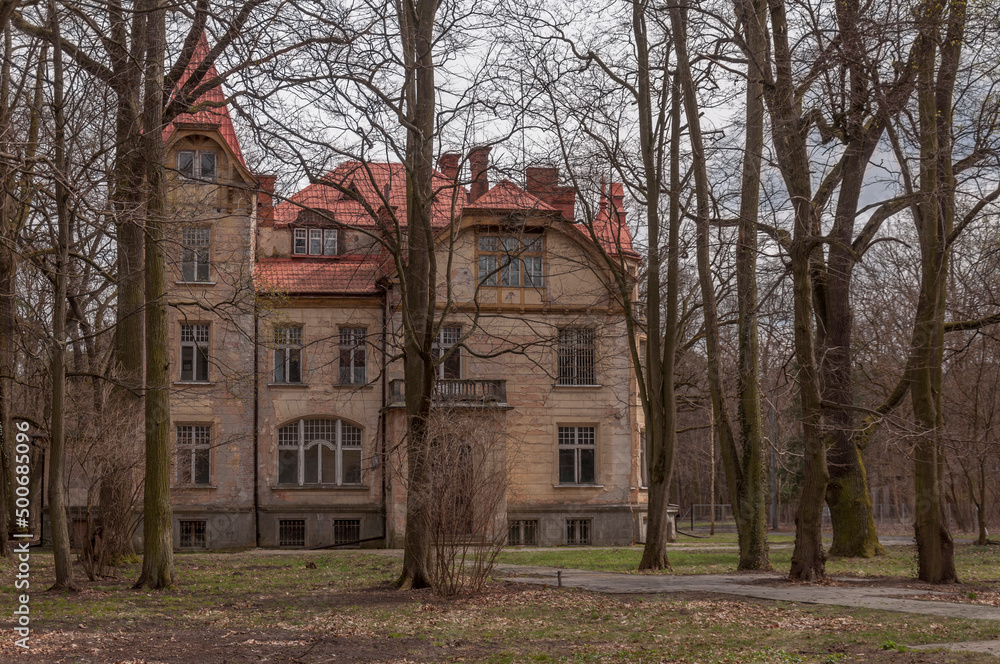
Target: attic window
(314, 242)
(198, 164)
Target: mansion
(287, 401)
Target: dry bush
(465, 504)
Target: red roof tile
(377, 184)
(211, 107)
(303, 276)
(506, 195)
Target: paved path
(885, 598)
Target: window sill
(206, 383)
(354, 386)
(291, 385)
(577, 387)
(194, 283)
(319, 487)
(577, 486)
(178, 487)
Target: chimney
(479, 161)
(265, 200)
(542, 182)
(448, 165)
(618, 203)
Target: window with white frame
(451, 367)
(194, 352)
(314, 242)
(198, 164)
(319, 451)
(288, 354)
(577, 356)
(577, 455)
(194, 454)
(511, 261)
(352, 355)
(195, 254)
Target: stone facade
(287, 400)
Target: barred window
(319, 451)
(578, 531)
(577, 455)
(353, 353)
(194, 352)
(195, 254)
(194, 454)
(577, 356)
(288, 355)
(523, 532)
(292, 532)
(193, 535)
(451, 367)
(346, 531)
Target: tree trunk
(416, 21)
(157, 540)
(747, 476)
(657, 382)
(57, 463)
(934, 220)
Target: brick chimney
(479, 161)
(542, 182)
(448, 165)
(265, 199)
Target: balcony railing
(457, 392)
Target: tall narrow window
(577, 455)
(299, 241)
(321, 451)
(352, 356)
(577, 357)
(194, 352)
(195, 254)
(451, 367)
(288, 355)
(194, 454)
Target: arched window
(320, 451)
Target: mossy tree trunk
(934, 220)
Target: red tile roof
(506, 195)
(377, 184)
(304, 276)
(211, 107)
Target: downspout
(383, 461)
(256, 417)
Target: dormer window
(198, 164)
(314, 242)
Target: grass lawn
(340, 607)
(975, 564)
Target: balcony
(470, 393)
